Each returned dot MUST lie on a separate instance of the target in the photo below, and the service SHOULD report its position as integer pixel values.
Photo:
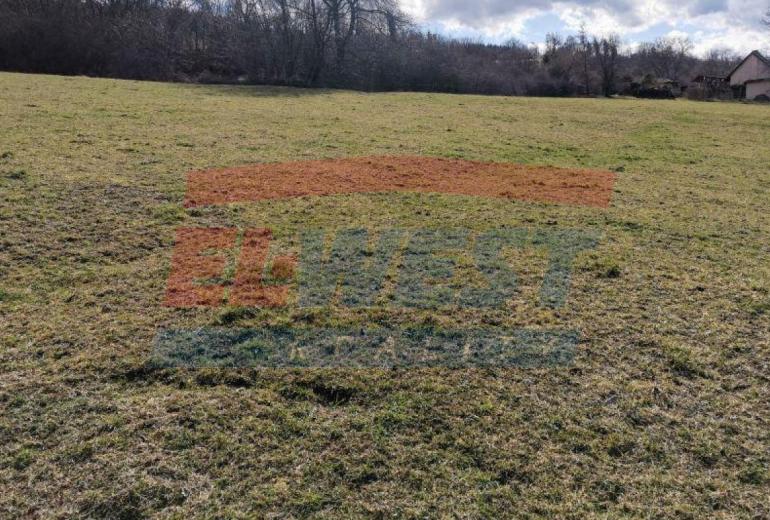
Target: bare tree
(719, 62)
(584, 53)
(666, 57)
(606, 52)
(318, 27)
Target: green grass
(663, 415)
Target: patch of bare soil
(257, 182)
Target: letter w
(354, 266)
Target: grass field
(665, 412)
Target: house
(652, 87)
(751, 77)
(709, 87)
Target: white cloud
(708, 23)
(601, 22)
(415, 8)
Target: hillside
(662, 410)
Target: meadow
(664, 412)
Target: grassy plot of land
(664, 413)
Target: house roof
(758, 80)
(752, 53)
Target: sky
(733, 24)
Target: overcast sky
(709, 23)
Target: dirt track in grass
(402, 174)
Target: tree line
(357, 44)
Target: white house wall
(755, 88)
(752, 68)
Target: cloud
(726, 23)
(700, 7)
